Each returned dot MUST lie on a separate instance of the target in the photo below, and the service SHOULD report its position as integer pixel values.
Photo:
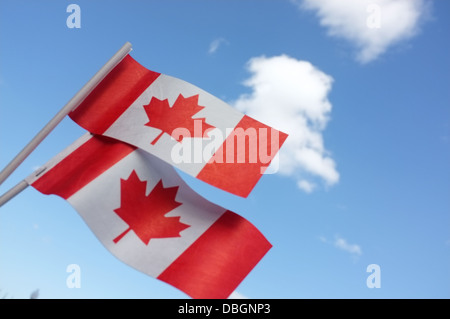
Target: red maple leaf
(167, 118)
(144, 214)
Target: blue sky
(361, 87)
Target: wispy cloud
(372, 26)
(308, 187)
(215, 44)
(342, 244)
(292, 96)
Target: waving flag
(144, 214)
(181, 124)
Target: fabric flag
(181, 124)
(148, 217)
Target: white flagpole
(70, 106)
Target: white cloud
(341, 243)
(353, 249)
(308, 187)
(292, 96)
(215, 44)
(371, 25)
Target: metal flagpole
(70, 106)
(13, 192)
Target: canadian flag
(181, 124)
(148, 217)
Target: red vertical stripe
(82, 166)
(113, 95)
(237, 169)
(215, 264)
